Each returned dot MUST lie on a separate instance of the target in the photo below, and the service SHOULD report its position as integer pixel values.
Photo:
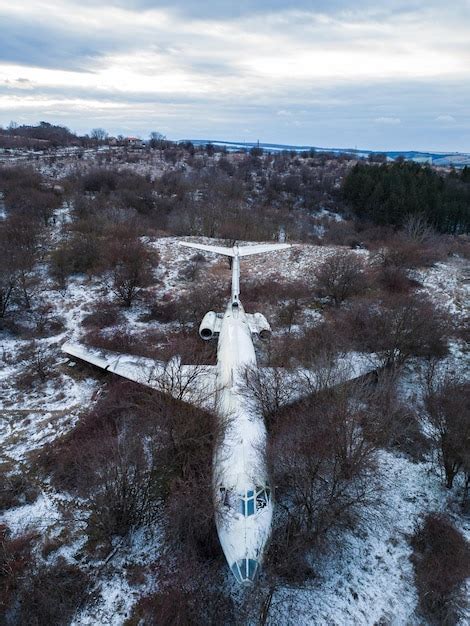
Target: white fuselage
(242, 495)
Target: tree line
(388, 194)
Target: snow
(38, 515)
(366, 579)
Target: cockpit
(245, 570)
(248, 502)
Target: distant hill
(444, 159)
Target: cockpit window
(252, 567)
(253, 501)
(245, 569)
(250, 507)
(262, 497)
(247, 503)
(236, 572)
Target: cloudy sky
(390, 75)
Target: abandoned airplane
(242, 494)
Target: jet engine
(262, 325)
(207, 329)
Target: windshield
(253, 500)
(247, 503)
(245, 570)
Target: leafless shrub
(390, 423)
(441, 559)
(341, 233)
(447, 401)
(118, 339)
(38, 368)
(393, 279)
(397, 327)
(49, 595)
(268, 389)
(131, 264)
(190, 272)
(188, 306)
(322, 465)
(16, 489)
(18, 280)
(46, 321)
(189, 595)
(400, 251)
(128, 492)
(341, 276)
(135, 449)
(15, 562)
(104, 314)
(256, 292)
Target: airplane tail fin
(243, 251)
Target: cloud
(446, 119)
(218, 68)
(390, 121)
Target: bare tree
(441, 559)
(396, 327)
(99, 134)
(131, 269)
(340, 276)
(447, 401)
(322, 465)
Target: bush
(38, 366)
(448, 404)
(392, 424)
(134, 449)
(396, 327)
(131, 264)
(105, 314)
(79, 255)
(15, 562)
(16, 489)
(189, 595)
(322, 466)
(341, 276)
(188, 307)
(50, 595)
(441, 559)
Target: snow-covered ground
(367, 579)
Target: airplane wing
(275, 387)
(191, 383)
(349, 367)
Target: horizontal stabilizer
(242, 251)
(214, 249)
(264, 247)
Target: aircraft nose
(245, 570)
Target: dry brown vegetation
(134, 450)
(323, 469)
(441, 558)
(447, 401)
(137, 458)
